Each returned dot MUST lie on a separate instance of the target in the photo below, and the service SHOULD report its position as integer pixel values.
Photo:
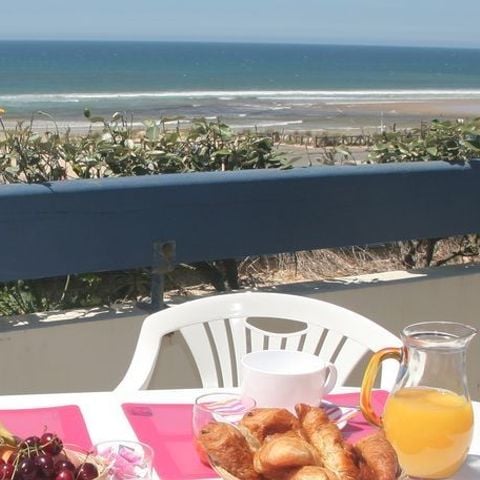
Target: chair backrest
(218, 333)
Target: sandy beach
(370, 117)
(405, 112)
(313, 117)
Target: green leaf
(175, 118)
(117, 116)
(13, 170)
(471, 145)
(221, 152)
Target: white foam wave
(268, 124)
(175, 122)
(322, 95)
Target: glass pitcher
(428, 416)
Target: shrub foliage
(113, 148)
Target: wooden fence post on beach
(334, 140)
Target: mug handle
(369, 379)
(331, 379)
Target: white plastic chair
(218, 333)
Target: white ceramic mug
(283, 378)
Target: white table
(105, 419)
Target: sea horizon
(304, 86)
(232, 42)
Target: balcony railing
(99, 225)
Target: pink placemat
(168, 430)
(357, 427)
(66, 421)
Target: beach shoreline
(315, 118)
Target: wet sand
(450, 107)
(316, 118)
(407, 114)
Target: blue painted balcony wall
(110, 224)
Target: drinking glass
(125, 459)
(218, 407)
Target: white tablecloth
(105, 420)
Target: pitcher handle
(369, 379)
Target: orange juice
(430, 429)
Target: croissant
(273, 444)
(262, 422)
(327, 439)
(311, 473)
(380, 457)
(227, 447)
(283, 452)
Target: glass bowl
(125, 459)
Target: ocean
(316, 87)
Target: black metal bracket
(164, 254)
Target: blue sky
(383, 22)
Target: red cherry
(6, 471)
(64, 465)
(51, 443)
(30, 442)
(27, 469)
(44, 464)
(28, 447)
(86, 471)
(65, 475)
